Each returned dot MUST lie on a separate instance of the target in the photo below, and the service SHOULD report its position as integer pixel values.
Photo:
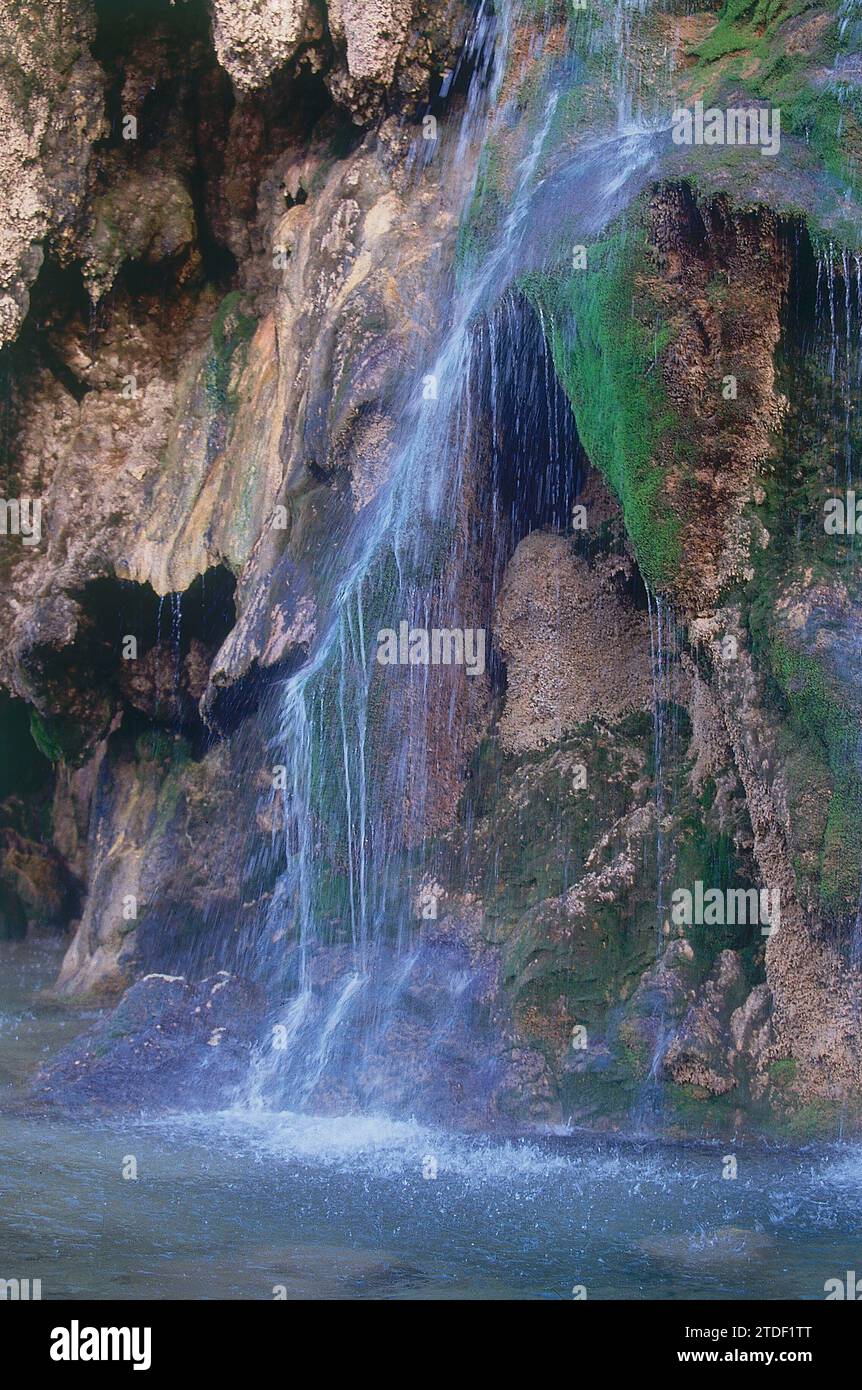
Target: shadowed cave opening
(36, 887)
(204, 611)
(136, 654)
(537, 469)
(184, 117)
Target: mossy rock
(783, 1072)
(230, 335)
(606, 342)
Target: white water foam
(378, 1146)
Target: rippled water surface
(245, 1205)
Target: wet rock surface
(699, 1054)
(169, 1043)
(554, 614)
(218, 329)
(430, 1032)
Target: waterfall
(665, 643)
(355, 759)
(325, 739)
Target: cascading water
(324, 739)
(447, 955)
(665, 643)
(353, 759)
(356, 758)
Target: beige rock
(814, 1017)
(700, 1054)
(50, 114)
(255, 37)
(733, 437)
(374, 32)
(574, 650)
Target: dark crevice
(538, 469)
(183, 118)
(134, 655)
(474, 67)
(120, 24)
(220, 264)
(36, 886)
(205, 610)
(64, 374)
(233, 704)
(24, 770)
(57, 297)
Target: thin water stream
(345, 789)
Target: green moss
(170, 796)
(697, 1109)
(59, 740)
(749, 47)
(527, 832)
(154, 745)
(44, 739)
(783, 1072)
(530, 828)
(820, 715)
(814, 694)
(815, 700)
(601, 325)
(486, 208)
(842, 847)
(175, 757)
(818, 1120)
(231, 330)
(707, 852)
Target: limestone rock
(699, 1055)
(147, 216)
(751, 1025)
(557, 622)
(50, 115)
(658, 1004)
(169, 1042)
(253, 38)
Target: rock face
(228, 240)
(51, 110)
(807, 980)
(698, 1056)
(719, 374)
(554, 614)
(155, 433)
(377, 44)
(169, 1043)
(37, 886)
(255, 37)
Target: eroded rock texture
(51, 111)
(227, 250)
(234, 287)
(555, 612)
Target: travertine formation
(573, 650)
(255, 37)
(51, 112)
(208, 317)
